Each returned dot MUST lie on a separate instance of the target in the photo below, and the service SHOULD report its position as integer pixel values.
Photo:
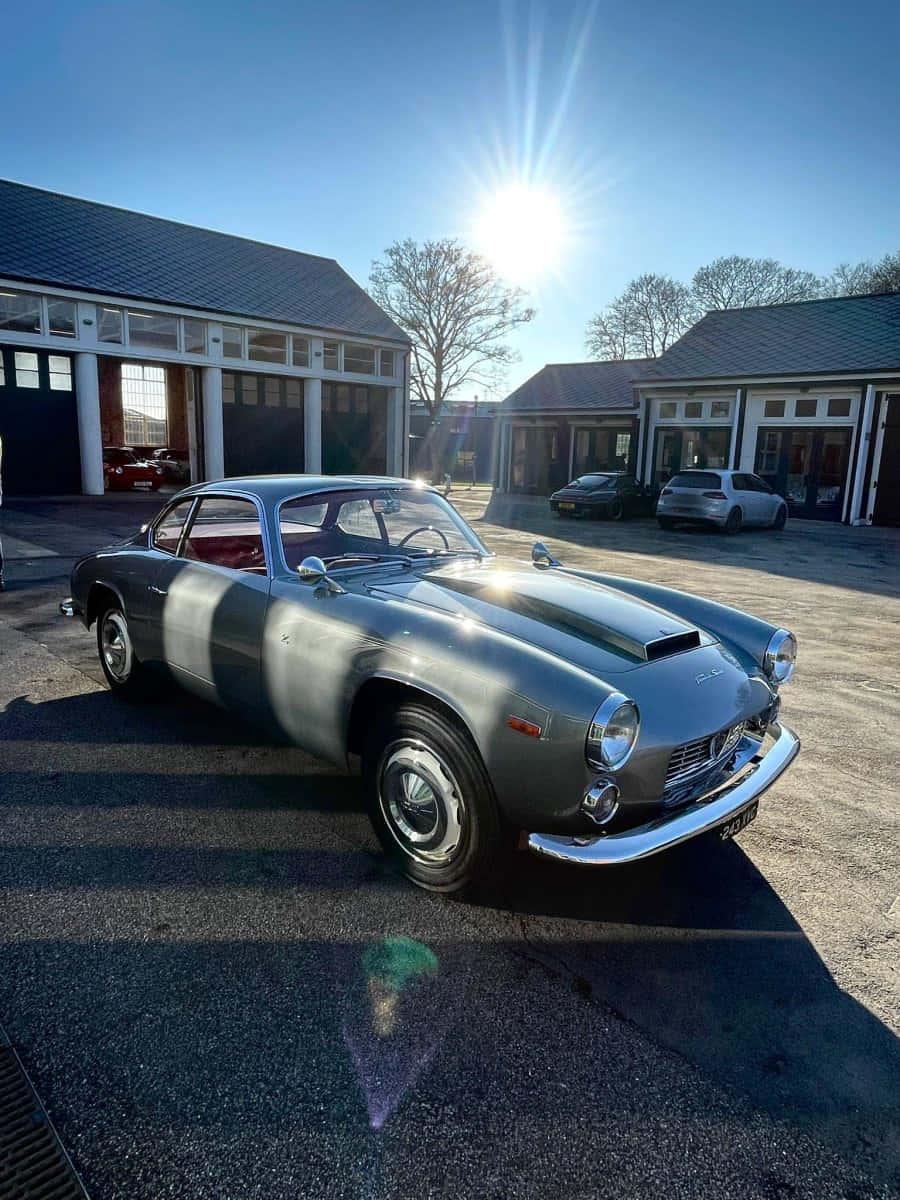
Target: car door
(630, 493)
(746, 497)
(769, 503)
(209, 602)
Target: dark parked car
(607, 718)
(175, 463)
(122, 469)
(611, 494)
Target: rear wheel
(780, 518)
(734, 521)
(126, 675)
(430, 800)
(616, 510)
(666, 523)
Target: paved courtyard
(190, 915)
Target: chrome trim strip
(757, 774)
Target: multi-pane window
(693, 409)
(387, 362)
(667, 410)
(263, 345)
(109, 324)
(774, 408)
(839, 407)
(623, 443)
(272, 392)
(144, 404)
(300, 351)
(806, 406)
(153, 329)
(359, 359)
(26, 369)
(331, 352)
(720, 409)
(60, 372)
(249, 389)
(232, 341)
(293, 393)
(61, 317)
(227, 387)
(194, 336)
(20, 312)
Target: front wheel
(616, 510)
(780, 518)
(430, 800)
(125, 674)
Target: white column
(213, 430)
(90, 437)
(312, 425)
(855, 517)
(735, 417)
(503, 465)
(395, 427)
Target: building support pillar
(395, 427)
(858, 467)
(213, 426)
(312, 426)
(90, 436)
(503, 463)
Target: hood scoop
(673, 644)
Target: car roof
(278, 487)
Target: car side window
(225, 532)
(760, 485)
(741, 483)
(167, 531)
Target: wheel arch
(100, 592)
(379, 692)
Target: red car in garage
(123, 469)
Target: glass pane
(720, 409)
(26, 370)
(231, 341)
(20, 311)
(144, 404)
(168, 531)
(60, 373)
(806, 406)
(249, 390)
(265, 346)
(301, 352)
(331, 355)
(693, 408)
(774, 408)
(109, 325)
(227, 387)
(194, 336)
(293, 390)
(839, 408)
(387, 362)
(359, 359)
(226, 533)
(668, 409)
(61, 314)
(273, 393)
(153, 329)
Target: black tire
(733, 522)
(129, 680)
(616, 511)
(415, 761)
(666, 523)
(780, 518)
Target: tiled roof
(589, 385)
(53, 239)
(849, 333)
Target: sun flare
(521, 229)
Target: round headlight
(613, 732)
(119, 471)
(780, 656)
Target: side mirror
(542, 558)
(312, 570)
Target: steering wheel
(424, 529)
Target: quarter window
(20, 312)
(231, 341)
(153, 329)
(26, 370)
(359, 359)
(61, 317)
(60, 372)
(263, 345)
(109, 325)
(225, 532)
(167, 533)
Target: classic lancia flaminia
(596, 719)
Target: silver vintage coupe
(595, 719)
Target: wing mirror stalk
(542, 558)
(312, 570)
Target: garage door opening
(143, 409)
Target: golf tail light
(715, 495)
(781, 656)
(613, 732)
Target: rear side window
(701, 480)
(167, 532)
(225, 532)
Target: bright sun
(521, 229)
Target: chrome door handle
(159, 591)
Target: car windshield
(696, 479)
(594, 481)
(364, 526)
(118, 456)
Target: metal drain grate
(33, 1163)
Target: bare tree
(737, 282)
(885, 275)
(652, 313)
(849, 279)
(457, 312)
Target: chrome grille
(693, 757)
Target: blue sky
(671, 132)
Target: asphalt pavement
(220, 991)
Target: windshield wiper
(453, 554)
(367, 559)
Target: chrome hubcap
(116, 646)
(420, 802)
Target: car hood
(600, 629)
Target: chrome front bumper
(756, 770)
(67, 608)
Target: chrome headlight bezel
(595, 752)
(780, 657)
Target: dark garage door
(262, 419)
(38, 423)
